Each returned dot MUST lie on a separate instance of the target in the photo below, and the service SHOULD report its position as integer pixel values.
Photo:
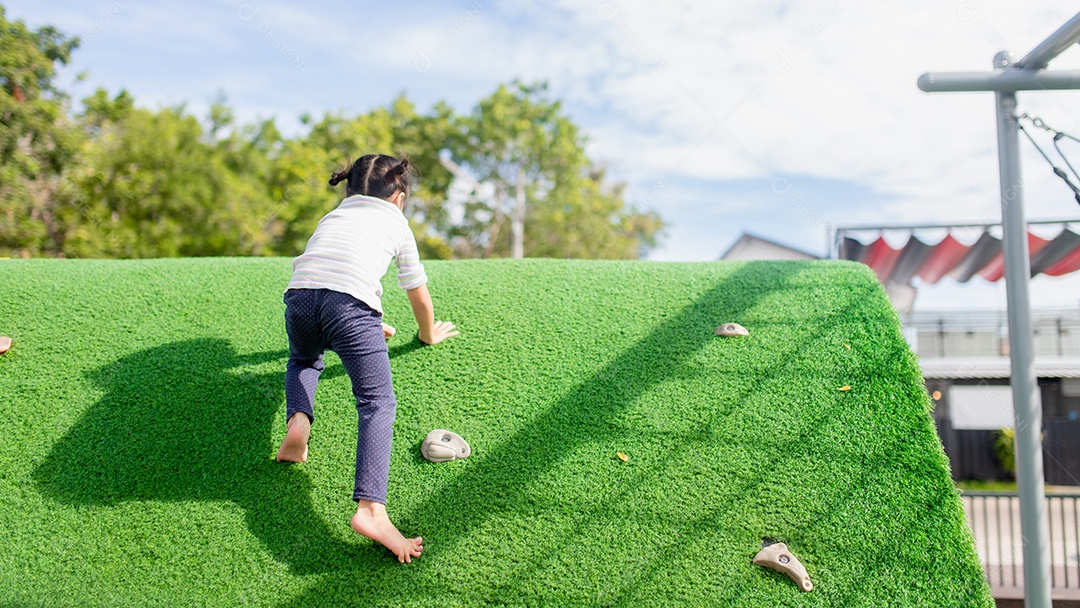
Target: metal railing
(994, 519)
(1056, 333)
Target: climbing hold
(731, 329)
(777, 557)
(443, 446)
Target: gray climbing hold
(731, 329)
(443, 446)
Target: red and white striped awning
(950, 257)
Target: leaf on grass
(847, 346)
(622, 457)
(844, 388)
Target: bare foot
(294, 446)
(371, 521)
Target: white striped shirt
(352, 248)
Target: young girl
(333, 302)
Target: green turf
(142, 405)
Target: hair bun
(338, 176)
(400, 168)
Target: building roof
(954, 368)
(750, 247)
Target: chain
(1037, 122)
(1058, 135)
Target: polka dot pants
(318, 320)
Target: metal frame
(1004, 81)
(872, 227)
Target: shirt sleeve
(410, 271)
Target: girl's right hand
(440, 331)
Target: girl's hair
(377, 175)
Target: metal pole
(999, 80)
(1027, 408)
(1054, 45)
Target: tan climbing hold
(777, 557)
(5, 344)
(443, 446)
(731, 329)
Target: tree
(247, 154)
(37, 140)
(546, 199)
(595, 223)
(117, 180)
(156, 184)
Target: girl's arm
(431, 331)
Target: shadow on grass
(191, 421)
(499, 482)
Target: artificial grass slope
(143, 405)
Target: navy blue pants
(318, 320)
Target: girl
(333, 302)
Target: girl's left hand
(388, 331)
(439, 332)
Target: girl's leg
(302, 372)
(357, 338)
(301, 379)
(355, 334)
(376, 408)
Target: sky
(784, 119)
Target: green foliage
(121, 181)
(521, 143)
(1005, 449)
(36, 141)
(143, 403)
(979, 485)
(150, 185)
